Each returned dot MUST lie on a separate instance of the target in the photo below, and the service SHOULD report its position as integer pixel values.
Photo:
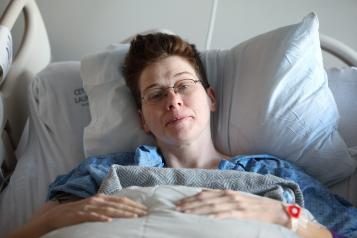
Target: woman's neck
(192, 155)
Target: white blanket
(164, 221)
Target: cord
(211, 24)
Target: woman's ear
(212, 97)
(142, 121)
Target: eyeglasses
(184, 87)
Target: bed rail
(339, 50)
(31, 57)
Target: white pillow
(272, 96)
(343, 84)
(115, 123)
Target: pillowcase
(115, 124)
(272, 97)
(277, 101)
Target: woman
(169, 85)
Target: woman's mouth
(176, 119)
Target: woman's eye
(182, 87)
(156, 95)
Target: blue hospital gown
(330, 210)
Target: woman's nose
(173, 100)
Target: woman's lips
(176, 120)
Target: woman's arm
(233, 204)
(36, 226)
(313, 229)
(100, 208)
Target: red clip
(294, 211)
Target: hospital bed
(42, 138)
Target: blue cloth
(330, 210)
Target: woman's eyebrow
(175, 75)
(152, 86)
(183, 72)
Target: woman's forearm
(33, 229)
(313, 230)
(37, 226)
(303, 223)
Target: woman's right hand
(96, 208)
(100, 208)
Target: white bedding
(164, 221)
(48, 149)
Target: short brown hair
(147, 49)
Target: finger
(117, 213)
(222, 201)
(200, 196)
(209, 197)
(128, 201)
(85, 216)
(115, 202)
(115, 210)
(212, 208)
(107, 206)
(273, 211)
(200, 202)
(125, 205)
(127, 208)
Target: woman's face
(174, 118)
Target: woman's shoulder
(117, 157)
(263, 164)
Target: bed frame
(24, 67)
(34, 54)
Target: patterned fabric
(120, 177)
(84, 180)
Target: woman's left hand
(234, 204)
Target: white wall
(80, 27)
(238, 20)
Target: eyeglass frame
(166, 89)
